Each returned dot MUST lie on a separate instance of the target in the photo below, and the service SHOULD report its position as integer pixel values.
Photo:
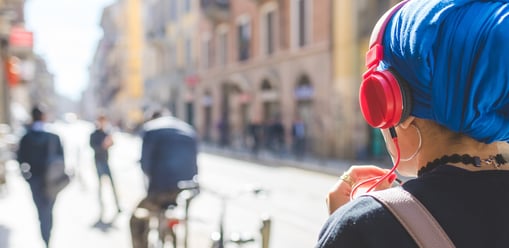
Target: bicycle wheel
(217, 241)
(154, 234)
(154, 240)
(216, 244)
(170, 240)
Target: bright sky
(66, 33)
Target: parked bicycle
(220, 239)
(164, 231)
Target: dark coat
(34, 149)
(169, 153)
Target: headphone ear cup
(406, 95)
(382, 99)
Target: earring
(418, 147)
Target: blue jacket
(169, 153)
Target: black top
(472, 208)
(96, 142)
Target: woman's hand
(339, 195)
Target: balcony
(216, 10)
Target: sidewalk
(75, 218)
(328, 166)
(76, 211)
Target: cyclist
(169, 155)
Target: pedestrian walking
(299, 138)
(169, 155)
(101, 140)
(277, 136)
(33, 155)
(255, 133)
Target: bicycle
(218, 237)
(163, 225)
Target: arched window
(304, 90)
(266, 85)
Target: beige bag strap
(416, 219)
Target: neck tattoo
(495, 161)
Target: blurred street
(295, 199)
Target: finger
(387, 183)
(338, 196)
(359, 173)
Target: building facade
(223, 65)
(115, 83)
(352, 23)
(106, 77)
(171, 55)
(265, 61)
(25, 79)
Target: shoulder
(52, 135)
(359, 224)
(361, 210)
(96, 133)
(163, 123)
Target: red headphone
(384, 97)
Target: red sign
(12, 71)
(20, 37)
(244, 98)
(192, 80)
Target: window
(223, 48)
(172, 56)
(269, 35)
(187, 6)
(244, 40)
(173, 10)
(207, 53)
(188, 52)
(301, 22)
(210, 55)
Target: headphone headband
(375, 53)
(383, 96)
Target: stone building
(263, 61)
(106, 76)
(115, 85)
(224, 64)
(170, 55)
(25, 79)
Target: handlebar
(190, 189)
(188, 184)
(254, 190)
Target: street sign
(19, 37)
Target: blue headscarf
(455, 56)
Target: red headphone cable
(379, 180)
